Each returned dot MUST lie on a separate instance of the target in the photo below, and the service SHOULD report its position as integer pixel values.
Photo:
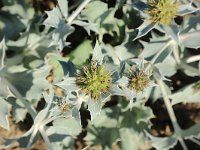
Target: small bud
(138, 80)
(64, 107)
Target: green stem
(77, 11)
(171, 113)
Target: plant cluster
(105, 58)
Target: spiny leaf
(164, 143)
(190, 39)
(97, 53)
(133, 140)
(30, 83)
(60, 34)
(144, 28)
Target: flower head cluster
(138, 80)
(162, 11)
(94, 80)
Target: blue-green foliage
(41, 58)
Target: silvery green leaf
(156, 93)
(2, 52)
(97, 53)
(172, 31)
(88, 26)
(164, 143)
(107, 118)
(110, 53)
(81, 53)
(142, 115)
(185, 95)
(68, 84)
(20, 9)
(167, 67)
(153, 47)
(133, 140)
(4, 112)
(106, 137)
(44, 112)
(18, 109)
(123, 91)
(164, 52)
(68, 68)
(144, 28)
(186, 9)
(94, 106)
(58, 68)
(30, 83)
(5, 91)
(63, 7)
(189, 25)
(190, 39)
(60, 34)
(189, 70)
(92, 13)
(63, 126)
(6, 25)
(124, 53)
(54, 17)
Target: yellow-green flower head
(138, 80)
(162, 11)
(94, 80)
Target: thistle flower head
(162, 11)
(138, 80)
(94, 80)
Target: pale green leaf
(60, 34)
(63, 126)
(186, 95)
(133, 140)
(163, 143)
(92, 13)
(29, 84)
(4, 112)
(81, 54)
(144, 28)
(97, 53)
(190, 39)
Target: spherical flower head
(94, 80)
(138, 80)
(162, 11)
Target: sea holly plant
(89, 74)
(96, 81)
